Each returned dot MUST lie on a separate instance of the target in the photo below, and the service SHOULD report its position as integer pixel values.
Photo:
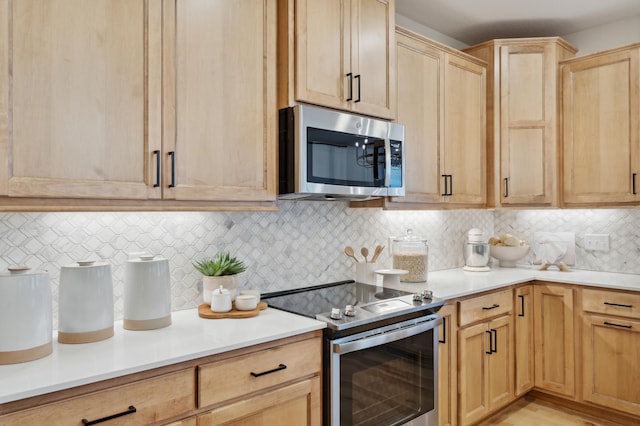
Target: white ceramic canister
(26, 315)
(147, 293)
(85, 305)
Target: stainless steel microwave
(326, 154)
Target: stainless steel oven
(386, 376)
(380, 357)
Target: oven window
(388, 384)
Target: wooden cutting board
(204, 311)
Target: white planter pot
(211, 283)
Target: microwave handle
(387, 162)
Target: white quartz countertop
(454, 283)
(188, 337)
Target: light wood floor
(529, 411)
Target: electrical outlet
(596, 242)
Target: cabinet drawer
(222, 380)
(154, 399)
(611, 302)
(484, 307)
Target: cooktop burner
(371, 304)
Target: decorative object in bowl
(508, 255)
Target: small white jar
(246, 302)
(220, 300)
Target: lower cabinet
(611, 349)
(486, 356)
(448, 367)
(554, 338)
(523, 325)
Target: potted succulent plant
(220, 270)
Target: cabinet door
(464, 130)
(323, 52)
(83, 116)
(296, 404)
(527, 120)
(373, 56)
(524, 339)
(610, 355)
(601, 128)
(447, 368)
(419, 108)
(554, 338)
(219, 66)
(500, 363)
(474, 344)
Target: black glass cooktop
(310, 301)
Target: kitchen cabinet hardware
(130, 410)
(490, 351)
(157, 155)
(494, 332)
(633, 183)
(618, 305)
(448, 185)
(172, 154)
(350, 75)
(521, 314)
(617, 325)
(278, 368)
(445, 193)
(359, 89)
(506, 187)
(495, 305)
(444, 331)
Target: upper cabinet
(115, 104)
(339, 54)
(79, 106)
(601, 128)
(523, 119)
(441, 103)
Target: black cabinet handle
(495, 340)
(157, 154)
(450, 185)
(618, 305)
(350, 75)
(484, 308)
(521, 314)
(358, 77)
(172, 154)
(633, 183)
(446, 181)
(444, 331)
(278, 368)
(490, 344)
(506, 187)
(617, 325)
(130, 410)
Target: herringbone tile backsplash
(300, 245)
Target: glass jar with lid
(411, 253)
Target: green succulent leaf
(221, 264)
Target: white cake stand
(391, 277)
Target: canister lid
(410, 237)
(18, 271)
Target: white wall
(607, 36)
(429, 32)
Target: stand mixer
(476, 252)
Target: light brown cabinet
(601, 128)
(610, 349)
(523, 89)
(554, 338)
(339, 54)
(441, 103)
(137, 101)
(448, 366)
(486, 355)
(524, 339)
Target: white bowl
(246, 302)
(508, 255)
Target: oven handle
(388, 337)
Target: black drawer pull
(350, 76)
(506, 187)
(490, 343)
(484, 308)
(359, 88)
(278, 368)
(521, 314)
(444, 331)
(131, 410)
(618, 305)
(157, 154)
(633, 183)
(172, 154)
(617, 325)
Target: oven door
(386, 376)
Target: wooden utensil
(376, 253)
(348, 250)
(365, 253)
